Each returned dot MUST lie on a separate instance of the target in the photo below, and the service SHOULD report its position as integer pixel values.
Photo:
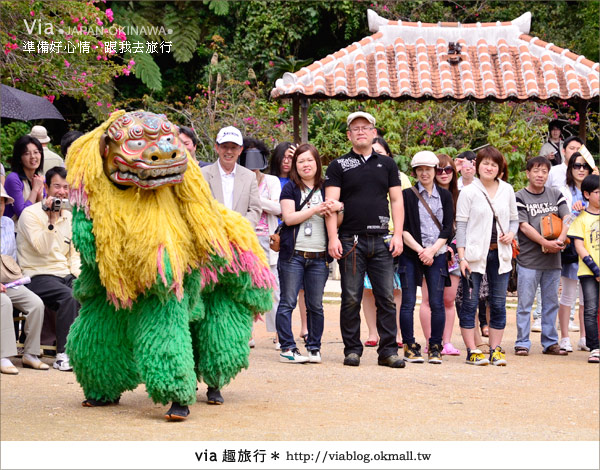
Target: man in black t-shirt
(362, 180)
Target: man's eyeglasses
(358, 130)
(579, 166)
(447, 169)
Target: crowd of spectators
(456, 229)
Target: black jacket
(412, 222)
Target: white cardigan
(473, 208)
(272, 207)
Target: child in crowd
(586, 232)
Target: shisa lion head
(143, 149)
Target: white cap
(360, 114)
(40, 133)
(230, 134)
(424, 158)
(9, 200)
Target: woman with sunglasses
(486, 223)
(577, 170)
(428, 225)
(446, 177)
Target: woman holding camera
(486, 223)
(303, 252)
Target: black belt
(311, 254)
(493, 246)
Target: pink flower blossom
(50, 98)
(67, 63)
(99, 103)
(271, 63)
(121, 35)
(126, 71)
(32, 13)
(108, 105)
(131, 62)
(109, 15)
(281, 109)
(99, 22)
(247, 82)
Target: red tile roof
(498, 61)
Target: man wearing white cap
(362, 180)
(22, 299)
(231, 184)
(51, 159)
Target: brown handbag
(10, 271)
(551, 226)
(275, 239)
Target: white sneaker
(581, 345)
(251, 343)
(573, 326)
(314, 357)
(62, 362)
(292, 355)
(537, 325)
(565, 345)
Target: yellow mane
(134, 227)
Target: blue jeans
(292, 274)
(372, 256)
(497, 298)
(590, 310)
(435, 277)
(528, 281)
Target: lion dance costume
(170, 281)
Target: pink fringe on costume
(245, 261)
(78, 197)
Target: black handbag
(569, 254)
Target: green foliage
(9, 133)
(279, 65)
(219, 7)
(185, 31)
(146, 68)
(517, 130)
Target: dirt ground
(534, 398)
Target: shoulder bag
(275, 239)
(515, 244)
(10, 271)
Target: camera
(308, 229)
(57, 205)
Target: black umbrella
(17, 104)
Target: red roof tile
(405, 59)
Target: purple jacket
(14, 188)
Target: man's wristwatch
(460, 260)
(342, 208)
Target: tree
(62, 48)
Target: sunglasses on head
(447, 169)
(579, 166)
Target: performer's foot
(177, 412)
(91, 402)
(214, 396)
